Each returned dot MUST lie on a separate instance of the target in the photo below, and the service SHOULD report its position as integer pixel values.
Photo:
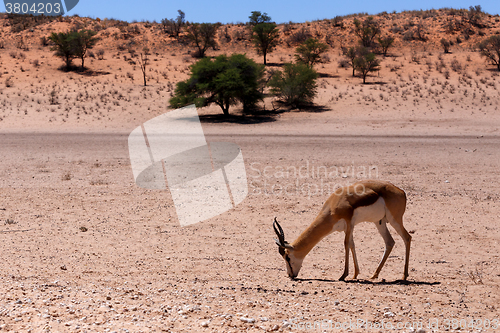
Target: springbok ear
(285, 245)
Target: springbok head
(293, 264)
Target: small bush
(296, 85)
(44, 41)
(456, 66)
(53, 98)
(338, 21)
(344, 63)
(310, 52)
(8, 82)
(446, 45)
(365, 63)
(385, 43)
(299, 37)
(100, 54)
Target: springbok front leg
(354, 257)
(389, 244)
(348, 241)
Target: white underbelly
(372, 213)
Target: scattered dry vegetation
(425, 50)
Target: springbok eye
(281, 251)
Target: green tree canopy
(224, 81)
(385, 43)
(310, 52)
(63, 45)
(265, 38)
(257, 18)
(366, 62)
(82, 41)
(296, 85)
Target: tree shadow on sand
(89, 72)
(275, 64)
(375, 82)
(327, 75)
(261, 115)
(311, 108)
(256, 118)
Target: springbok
(365, 201)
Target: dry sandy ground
(136, 269)
(86, 250)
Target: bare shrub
(9, 82)
(415, 58)
(53, 99)
(100, 54)
(456, 66)
(446, 45)
(44, 41)
(299, 36)
(344, 63)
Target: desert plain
(84, 249)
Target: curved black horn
(279, 232)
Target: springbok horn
(279, 232)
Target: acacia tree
(265, 38)
(366, 62)
(310, 52)
(385, 43)
(203, 36)
(366, 30)
(490, 49)
(82, 41)
(257, 18)
(73, 44)
(224, 81)
(63, 45)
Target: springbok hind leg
(389, 244)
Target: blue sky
(281, 11)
